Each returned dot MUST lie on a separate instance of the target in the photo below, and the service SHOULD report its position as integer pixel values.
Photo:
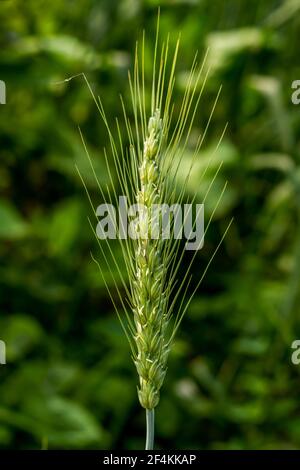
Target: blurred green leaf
(64, 226)
(65, 423)
(224, 46)
(21, 333)
(12, 225)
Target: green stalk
(150, 418)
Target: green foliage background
(69, 382)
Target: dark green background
(69, 382)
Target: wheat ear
(148, 297)
(146, 175)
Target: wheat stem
(150, 418)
